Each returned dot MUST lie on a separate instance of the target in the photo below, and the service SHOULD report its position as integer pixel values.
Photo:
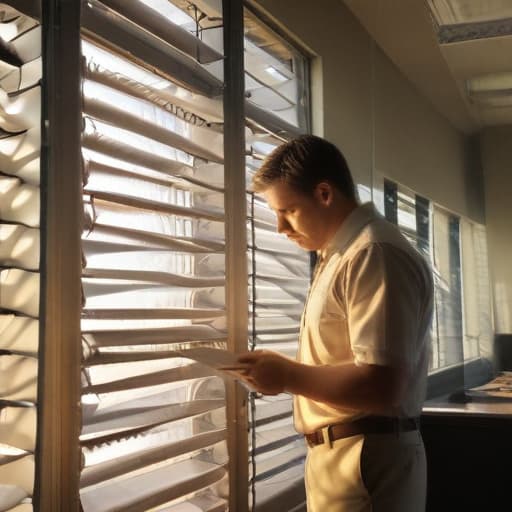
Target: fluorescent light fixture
(453, 12)
(274, 73)
(492, 89)
(466, 20)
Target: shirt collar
(356, 220)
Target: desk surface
(473, 408)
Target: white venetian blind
(279, 271)
(154, 425)
(447, 317)
(477, 325)
(20, 142)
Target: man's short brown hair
(303, 163)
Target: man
(360, 376)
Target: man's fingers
(250, 357)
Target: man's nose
(282, 224)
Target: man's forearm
(369, 387)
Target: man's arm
(373, 388)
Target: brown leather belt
(365, 425)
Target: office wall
(496, 149)
(363, 104)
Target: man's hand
(266, 371)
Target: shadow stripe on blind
(283, 492)
(8, 459)
(278, 463)
(19, 247)
(19, 202)
(19, 155)
(110, 469)
(277, 438)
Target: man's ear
(324, 193)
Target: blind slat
(156, 206)
(19, 474)
(122, 465)
(19, 246)
(11, 496)
(269, 122)
(173, 98)
(182, 183)
(19, 202)
(177, 334)
(154, 488)
(132, 355)
(19, 378)
(20, 111)
(127, 120)
(191, 371)
(185, 244)
(171, 313)
(125, 422)
(164, 278)
(160, 27)
(147, 48)
(20, 291)
(19, 155)
(18, 427)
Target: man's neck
(342, 212)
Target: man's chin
(302, 243)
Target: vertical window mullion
(236, 246)
(59, 392)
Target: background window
(456, 250)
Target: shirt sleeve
(382, 289)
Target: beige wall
(364, 105)
(496, 148)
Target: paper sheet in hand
(214, 357)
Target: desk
(467, 444)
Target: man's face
(302, 218)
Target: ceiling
(442, 46)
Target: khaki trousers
(368, 473)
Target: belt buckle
(326, 435)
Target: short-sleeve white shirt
(370, 302)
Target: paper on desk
(499, 387)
